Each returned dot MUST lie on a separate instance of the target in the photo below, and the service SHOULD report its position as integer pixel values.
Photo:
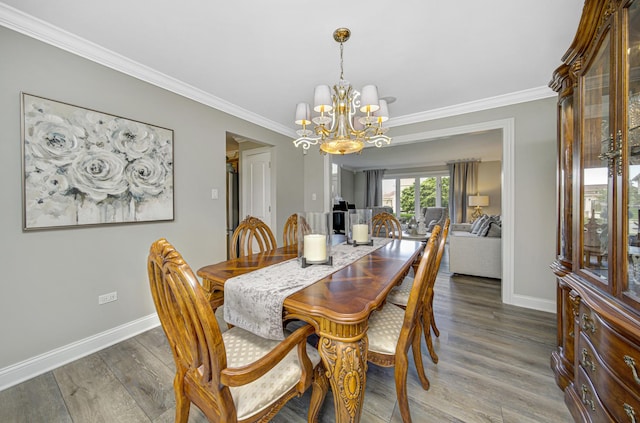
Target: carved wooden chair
(400, 294)
(251, 234)
(290, 232)
(387, 225)
(393, 330)
(230, 376)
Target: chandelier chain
(341, 62)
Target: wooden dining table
(337, 306)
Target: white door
(256, 185)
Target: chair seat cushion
(400, 294)
(243, 348)
(384, 329)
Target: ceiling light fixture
(347, 132)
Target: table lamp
(478, 201)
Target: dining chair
(290, 232)
(400, 294)
(393, 330)
(252, 233)
(234, 376)
(387, 225)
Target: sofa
(475, 249)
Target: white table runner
(254, 301)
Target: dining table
(338, 306)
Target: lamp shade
(382, 113)
(303, 114)
(478, 200)
(369, 100)
(322, 101)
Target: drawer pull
(585, 401)
(630, 412)
(586, 362)
(588, 324)
(632, 363)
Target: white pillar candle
(360, 233)
(315, 247)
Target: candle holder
(359, 227)
(314, 238)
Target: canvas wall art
(83, 167)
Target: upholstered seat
(234, 376)
(244, 348)
(392, 330)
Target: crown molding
(510, 99)
(57, 37)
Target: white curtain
(373, 187)
(463, 181)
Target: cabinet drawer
(619, 354)
(615, 397)
(589, 400)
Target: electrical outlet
(107, 298)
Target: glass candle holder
(359, 227)
(314, 238)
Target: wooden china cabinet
(597, 360)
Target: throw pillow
(484, 229)
(475, 227)
(495, 230)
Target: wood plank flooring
(494, 367)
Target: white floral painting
(83, 167)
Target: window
(415, 193)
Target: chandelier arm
(305, 142)
(379, 140)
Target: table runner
(254, 301)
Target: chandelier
(338, 129)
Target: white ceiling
(257, 59)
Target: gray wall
(52, 278)
(490, 183)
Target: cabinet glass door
(597, 163)
(633, 149)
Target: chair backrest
(188, 321)
(417, 297)
(387, 225)
(290, 232)
(441, 246)
(251, 236)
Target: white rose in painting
(51, 139)
(98, 174)
(133, 139)
(97, 126)
(146, 177)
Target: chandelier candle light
(347, 132)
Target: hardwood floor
(494, 367)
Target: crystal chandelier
(338, 129)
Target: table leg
(346, 364)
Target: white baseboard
(534, 303)
(35, 366)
